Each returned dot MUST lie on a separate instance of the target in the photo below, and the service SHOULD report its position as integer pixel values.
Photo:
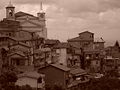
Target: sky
(66, 18)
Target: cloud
(66, 18)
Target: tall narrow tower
(41, 18)
(41, 13)
(10, 11)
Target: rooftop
(62, 45)
(58, 66)
(61, 67)
(51, 41)
(9, 24)
(32, 74)
(86, 32)
(20, 14)
(99, 40)
(78, 71)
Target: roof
(91, 51)
(42, 50)
(117, 44)
(9, 24)
(51, 41)
(18, 53)
(99, 40)
(61, 67)
(75, 39)
(86, 32)
(25, 68)
(4, 36)
(20, 14)
(62, 45)
(78, 71)
(20, 43)
(58, 66)
(78, 39)
(32, 74)
(77, 82)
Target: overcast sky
(67, 18)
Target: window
(18, 62)
(39, 80)
(10, 34)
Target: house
(51, 42)
(113, 51)
(68, 78)
(99, 43)
(78, 79)
(63, 51)
(90, 50)
(84, 40)
(42, 57)
(55, 74)
(111, 63)
(34, 79)
(29, 30)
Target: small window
(39, 80)
(10, 34)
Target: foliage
(104, 83)
(26, 87)
(112, 73)
(54, 87)
(8, 79)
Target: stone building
(20, 30)
(91, 50)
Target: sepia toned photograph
(59, 45)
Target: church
(21, 34)
(24, 22)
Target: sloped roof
(57, 66)
(25, 68)
(117, 44)
(62, 45)
(99, 40)
(86, 32)
(51, 41)
(75, 39)
(78, 71)
(61, 67)
(20, 14)
(32, 74)
(4, 36)
(17, 53)
(20, 43)
(9, 24)
(78, 39)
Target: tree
(26, 87)
(8, 79)
(104, 83)
(54, 87)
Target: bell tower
(41, 13)
(41, 18)
(10, 11)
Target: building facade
(91, 50)
(28, 30)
